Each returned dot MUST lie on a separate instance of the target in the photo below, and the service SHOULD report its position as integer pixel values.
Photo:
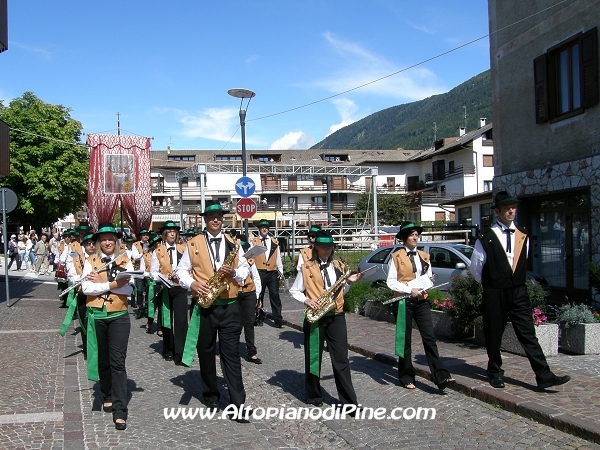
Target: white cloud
(251, 59)
(363, 68)
(213, 123)
(293, 140)
(46, 54)
(423, 28)
(347, 108)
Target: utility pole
(118, 124)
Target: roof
(452, 144)
(482, 196)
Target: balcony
(457, 172)
(431, 197)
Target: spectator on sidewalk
(41, 255)
(13, 252)
(22, 243)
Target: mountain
(410, 126)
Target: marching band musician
(248, 299)
(140, 248)
(203, 259)
(306, 252)
(108, 321)
(270, 268)
(79, 298)
(407, 264)
(63, 253)
(314, 278)
(174, 300)
(146, 305)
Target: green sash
(401, 328)
(71, 305)
(314, 350)
(166, 309)
(92, 340)
(150, 298)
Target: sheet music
(423, 282)
(168, 283)
(130, 274)
(255, 251)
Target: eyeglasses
(89, 243)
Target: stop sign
(246, 208)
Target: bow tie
(217, 240)
(324, 266)
(106, 259)
(170, 249)
(411, 252)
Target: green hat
(88, 237)
(191, 232)
(129, 238)
(70, 232)
(105, 227)
(83, 228)
(213, 207)
(406, 227)
(169, 225)
(263, 223)
(154, 239)
(312, 231)
(324, 238)
(143, 231)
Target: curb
(564, 422)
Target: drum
(61, 273)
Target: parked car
(447, 261)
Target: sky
(166, 67)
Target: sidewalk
(573, 407)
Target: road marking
(28, 331)
(32, 417)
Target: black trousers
(113, 336)
(14, 257)
(61, 287)
(226, 322)
(82, 313)
(140, 286)
(269, 279)
(499, 305)
(247, 302)
(420, 312)
(333, 330)
(174, 338)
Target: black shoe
(445, 383)
(107, 409)
(120, 426)
(255, 359)
(317, 404)
(554, 381)
(212, 405)
(168, 357)
(63, 306)
(278, 325)
(497, 382)
(149, 330)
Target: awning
(165, 217)
(267, 215)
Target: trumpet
(98, 270)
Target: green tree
(392, 209)
(48, 165)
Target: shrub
(573, 314)
(537, 296)
(362, 291)
(465, 293)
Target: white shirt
(89, 288)
(298, 288)
(184, 268)
(267, 243)
(155, 264)
(392, 278)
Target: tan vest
(147, 257)
(307, 253)
(261, 260)
(404, 267)
(114, 302)
(249, 285)
(164, 260)
(313, 282)
(202, 269)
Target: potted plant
(441, 305)
(580, 329)
(367, 298)
(465, 293)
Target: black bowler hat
(407, 227)
(503, 198)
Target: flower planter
(377, 311)
(547, 336)
(442, 324)
(582, 339)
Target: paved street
(47, 402)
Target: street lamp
(242, 94)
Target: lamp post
(242, 94)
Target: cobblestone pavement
(47, 402)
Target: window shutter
(540, 72)
(589, 66)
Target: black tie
(217, 242)
(411, 256)
(323, 268)
(508, 232)
(170, 250)
(106, 259)
(264, 241)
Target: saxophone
(326, 301)
(217, 283)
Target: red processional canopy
(119, 170)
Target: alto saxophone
(326, 301)
(217, 283)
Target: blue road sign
(245, 187)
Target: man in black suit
(499, 262)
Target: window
(413, 183)
(566, 78)
(439, 170)
(451, 167)
(380, 257)
(181, 158)
(335, 158)
(184, 182)
(228, 157)
(487, 185)
(488, 160)
(266, 158)
(465, 216)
